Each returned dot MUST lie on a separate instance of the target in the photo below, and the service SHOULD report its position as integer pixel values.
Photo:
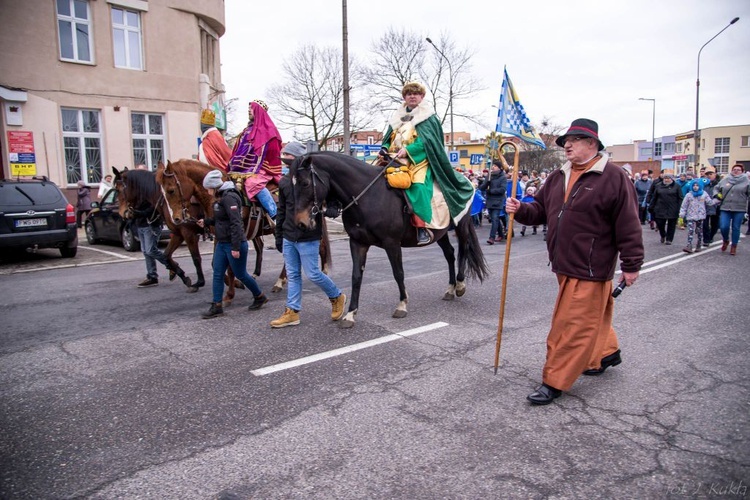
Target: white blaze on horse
(182, 185)
(374, 214)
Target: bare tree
(310, 100)
(403, 56)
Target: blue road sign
(453, 156)
(476, 159)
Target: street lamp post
(450, 85)
(698, 88)
(653, 126)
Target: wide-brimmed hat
(581, 127)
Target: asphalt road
(109, 391)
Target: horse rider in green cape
(415, 138)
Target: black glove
(384, 152)
(333, 209)
(280, 244)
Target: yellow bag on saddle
(398, 177)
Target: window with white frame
(74, 30)
(126, 38)
(721, 163)
(745, 141)
(82, 142)
(721, 145)
(668, 148)
(678, 147)
(148, 139)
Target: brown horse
(182, 181)
(136, 186)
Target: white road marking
(345, 350)
(673, 259)
(113, 254)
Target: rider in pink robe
(257, 153)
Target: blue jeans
(496, 229)
(222, 260)
(266, 200)
(301, 255)
(735, 220)
(149, 237)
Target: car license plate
(31, 222)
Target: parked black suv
(34, 213)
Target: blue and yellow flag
(511, 117)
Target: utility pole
(345, 34)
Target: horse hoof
(449, 296)
(460, 291)
(400, 313)
(345, 323)
(172, 275)
(193, 289)
(276, 289)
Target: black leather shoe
(544, 395)
(613, 359)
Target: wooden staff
(509, 241)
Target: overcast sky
(588, 58)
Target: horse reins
(316, 209)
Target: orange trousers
(581, 333)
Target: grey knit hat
(295, 149)
(213, 180)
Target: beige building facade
(723, 147)
(87, 85)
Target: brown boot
(289, 318)
(337, 307)
(724, 245)
(733, 250)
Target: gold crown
(208, 117)
(262, 104)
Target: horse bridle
(315, 210)
(186, 217)
(154, 215)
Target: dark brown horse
(374, 214)
(182, 181)
(136, 186)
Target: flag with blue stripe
(511, 117)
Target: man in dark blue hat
(590, 207)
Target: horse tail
(470, 250)
(325, 245)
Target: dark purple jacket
(600, 219)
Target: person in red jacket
(591, 209)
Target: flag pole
(509, 241)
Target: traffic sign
(476, 159)
(453, 157)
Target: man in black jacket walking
(495, 186)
